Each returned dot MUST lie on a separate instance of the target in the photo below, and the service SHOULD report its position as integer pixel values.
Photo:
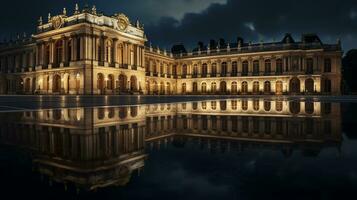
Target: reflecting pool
(215, 149)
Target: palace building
(92, 53)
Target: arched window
(294, 85)
(234, 68)
(204, 88)
(213, 87)
(255, 87)
(256, 105)
(213, 105)
(204, 105)
(267, 68)
(256, 68)
(278, 106)
(245, 68)
(244, 87)
(244, 105)
(294, 107)
(309, 107)
(267, 106)
(279, 87)
(279, 66)
(234, 104)
(223, 105)
(223, 87)
(267, 88)
(234, 88)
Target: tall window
(108, 52)
(214, 69)
(309, 66)
(256, 68)
(204, 88)
(184, 70)
(279, 66)
(245, 68)
(195, 70)
(234, 68)
(59, 50)
(267, 67)
(327, 65)
(213, 87)
(223, 69)
(204, 69)
(255, 87)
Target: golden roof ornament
(57, 22)
(123, 21)
(49, 17)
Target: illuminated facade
(92, 148)
(90, 53)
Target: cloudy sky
(189, 21)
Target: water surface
(215, 149)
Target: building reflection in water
(92, 148)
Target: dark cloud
(262, 20)
(188, 21)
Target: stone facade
(90, 53)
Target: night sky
(188, 21)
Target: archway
(309, 85)
(56, 83)
(294, 85)
(279, 88)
